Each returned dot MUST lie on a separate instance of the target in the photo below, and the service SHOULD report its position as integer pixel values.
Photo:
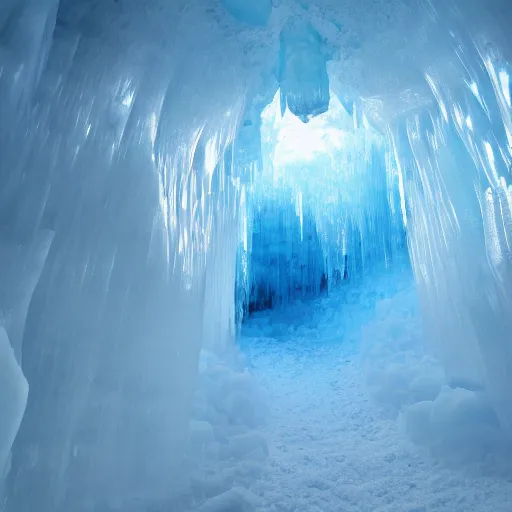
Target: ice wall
(113, 139)
(287, 260)
(455, 162)
(120, 143)
(253, 13)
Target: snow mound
(398, 370)
(226, 450)
(460, 426)
(455, 423)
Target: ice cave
(255, 256)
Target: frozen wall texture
(287, 260)
(13, 400)
(114, 141)
(127, 188)
(456, 166)
(324, 207)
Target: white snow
(334, 444)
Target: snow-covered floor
(331, 448)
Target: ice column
(455, 163)
(103, 156)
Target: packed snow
(335, 398)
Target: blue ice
(163, 162)
(303, 75)
(248, 11)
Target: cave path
(331, 449)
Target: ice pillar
(103, 157)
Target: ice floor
(328, 438)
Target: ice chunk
(303, 74)
(13, 398)
(249, 11)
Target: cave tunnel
(256, 256)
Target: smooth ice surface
(13, 400)
(22, 262)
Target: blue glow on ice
(250, 11)
(332, 173)
(137, 192)
(303, 142)
(303, 78)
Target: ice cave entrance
(325, 206)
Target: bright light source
(324, 162)
(300, 142)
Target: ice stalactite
(119, 150)
(303, 77)
(455, 164)
(323, 206)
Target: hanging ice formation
(455, 163)
(322, 206)
(253, 13)
(303, 78)
(124, 171)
